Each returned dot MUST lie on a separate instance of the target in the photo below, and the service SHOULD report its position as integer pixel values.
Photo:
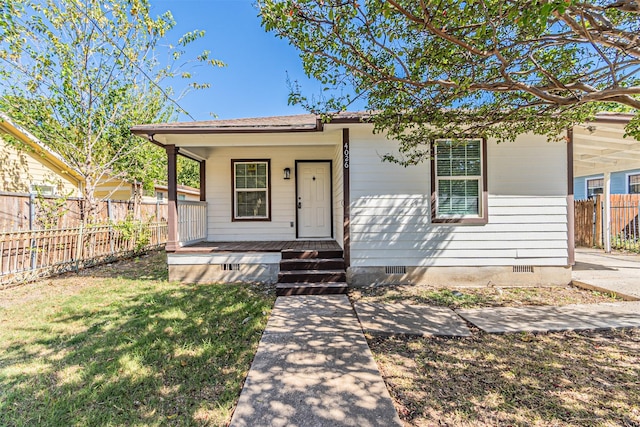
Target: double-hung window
(459, 181)
(251, 198)
(595, 187)
(634, 184)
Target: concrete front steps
(311, 272)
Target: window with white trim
(251, 196)
(43, 189)
(595, 186)
(458, 178)
(634, 184)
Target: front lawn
(559, 379)
(119, 345)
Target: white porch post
(607, 212)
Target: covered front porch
(263, 191)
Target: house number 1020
(346, 155)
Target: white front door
(314, 199)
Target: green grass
(130, 350)
(448, 298)
(456, 298)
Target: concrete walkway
(576, 317)
(403, 319)
(314, 368)
(615, 272)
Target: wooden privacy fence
(22, 211)
(625, 209)
(28, 255)
(625, 227)
(584, 223)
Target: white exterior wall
(390, 209)
(283, 203)
(338, 196)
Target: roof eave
(30, 140)
(613, 118)
(208, 130)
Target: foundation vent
(229, 267)
(395, 269)
(523, 269)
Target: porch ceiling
(601, 147)
(202, 146)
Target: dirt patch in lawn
(479, 297)
(149, 266)
(558, 379)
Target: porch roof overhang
(600, 146)
(274, 124)
(196, 138)
(297, 123)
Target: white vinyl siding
(527, 224)
(221, 227)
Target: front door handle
(299, 205)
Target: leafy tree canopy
(80, 73)
(455, 68)
(188, 172)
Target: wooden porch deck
(260, 246)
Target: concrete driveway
(615, 272)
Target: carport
(600, 147)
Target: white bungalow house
(276, 189)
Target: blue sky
(253, 83)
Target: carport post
(607, 212)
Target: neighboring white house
(482, 214)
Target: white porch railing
(192, 221)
